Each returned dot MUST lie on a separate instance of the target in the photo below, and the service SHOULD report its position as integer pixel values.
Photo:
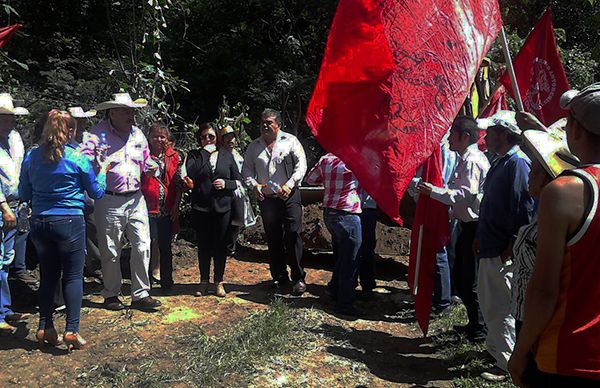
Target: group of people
(92, 191)
(525, 266)
(524, 207)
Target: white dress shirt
(465, 188)
(10, 166)
(262, 164)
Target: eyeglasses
(208, 136)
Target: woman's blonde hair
(56, 134)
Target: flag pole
(418, 263)
(511, 70)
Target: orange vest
(570, 343)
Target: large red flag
(394, 75)
(540, 74)
(7, 32)
(429, 234)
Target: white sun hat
(7, 107)
(122, 100)
(79, 113)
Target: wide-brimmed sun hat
(7, 106)
(122, 100)
(79, 113)
(550, 148)
(584, 106)
(503, 118)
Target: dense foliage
(185, 55)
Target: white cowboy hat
(8, 108)
(502, 118)
(550, 149)
(78, 113)
(122, 100)
(227, 129)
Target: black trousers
(161, 230)
(211, 230)
(368, 223)
(282, 220)
(466, 267)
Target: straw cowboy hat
(78, 112)
(550, 148)
(122, 100)
(7, 106)
(503, 118)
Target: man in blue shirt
(506, 206)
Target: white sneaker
(494, 375)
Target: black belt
(123, 194)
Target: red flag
(394, 75)
(496, 103)
(540, 74)
(429, 234)
(393, 78)
(7, 32)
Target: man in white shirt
(274, 165)
(463, 195)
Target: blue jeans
(346, 238)
(441, 288)
(20, 248)
(60, 243)
(7, 240)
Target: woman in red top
(163, 196)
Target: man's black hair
(466, 124)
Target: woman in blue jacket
(54, 177)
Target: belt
(123, 194)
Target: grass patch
(233, 358)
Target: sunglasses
(208, 136)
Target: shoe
(350, 311)
(16, 317)
(203, 289)
(365, 295)
(113, 303)
(220, 290)
(278, 284)
(74, 341)
(477, 336)
(146, 304)
(299, 288)
(6, 328)
(462, 329)
(456, 299)
(494, 375)
(48, 336)
(155, 279)
(439, 312)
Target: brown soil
(383, 348)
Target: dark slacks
(60, 244)
(368, 224)
(211, 230)
(160, 229)
(282, 220)
(466, 268)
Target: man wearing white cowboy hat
(11, 156)
(82, 118)
(123, 208)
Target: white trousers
(493, 289)
(116, 215)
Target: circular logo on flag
(543, 86)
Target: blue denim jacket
(506, 204)
(58, 188)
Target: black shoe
(278, 284)
(477, 336)
(113, 303)
(299, 288)
(26, 278)
(439, 312)
(366, 295)
(146, 304)
(351, 312)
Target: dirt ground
(384, 348)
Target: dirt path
(382, 349)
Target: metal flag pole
(418, 263)
(511, 69)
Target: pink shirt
(340, 184)
(131, 155)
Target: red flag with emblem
(7, 32)
(540, 73)
(393, 78)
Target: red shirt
(151, 185)
(570, 343)
(340, 184)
